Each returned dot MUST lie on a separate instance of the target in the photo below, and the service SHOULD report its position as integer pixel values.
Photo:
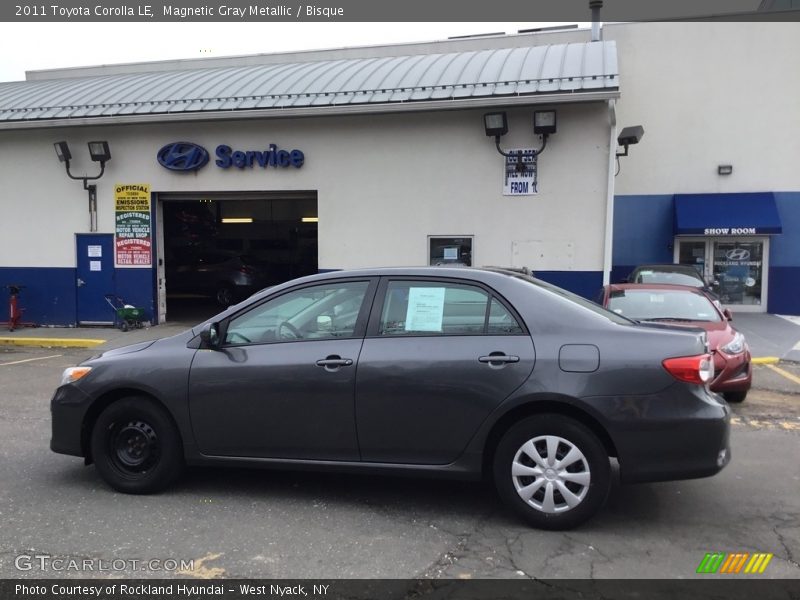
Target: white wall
(709, 94)
(384, 183)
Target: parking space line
(786, 374)
(19, 362)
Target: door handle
(498, 358)
(334, 362)
(80, 282)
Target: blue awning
(726, 214)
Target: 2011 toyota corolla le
(450, 372)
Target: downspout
(612, 156)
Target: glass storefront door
(736, 266)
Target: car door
(282, 383)
(439, 356)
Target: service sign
(521, 180)
(133, 237)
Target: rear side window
(430, 308)
(501, 321)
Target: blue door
(94, 278)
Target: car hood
(127, 349)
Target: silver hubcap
(551, 474)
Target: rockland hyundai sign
(188, 156)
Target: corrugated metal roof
(500, 73)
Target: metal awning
(726, 214)
(553, 73)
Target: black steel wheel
(136, 447)
(552, 471)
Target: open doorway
(220, 248)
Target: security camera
(630, 135)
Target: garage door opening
(218, 249)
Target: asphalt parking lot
(242, 524)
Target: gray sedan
(444, 372)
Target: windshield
(662, 305)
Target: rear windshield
(580, 300)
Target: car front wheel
(136, 447)
(552, 471)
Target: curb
(51, 342)
(765, 360)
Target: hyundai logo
(738, 254)
(182, 156)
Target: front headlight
(72, 374)
(735, 346)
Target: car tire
(224, 295)
(136, 447)
(735, 397)
(537, 490)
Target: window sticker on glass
(657, 298)
(425, 309)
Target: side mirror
(209, 336)
(728, 314)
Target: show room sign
(133, 234)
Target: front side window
(311, 313)
(420, 308)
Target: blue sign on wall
(182, 156)
(187, 156)
(273, 157)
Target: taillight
(692, 369)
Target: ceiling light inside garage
(238, 220)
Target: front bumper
(681, 433)
(68, 411)
(733, 372)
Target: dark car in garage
(432, 371)
(223, 275)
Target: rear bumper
(682, 433)
(67, 411)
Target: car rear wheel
(136, 447)
(735, 397)
(552, 471)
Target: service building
(379, 156)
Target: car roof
(486, 275)
(444, 271)
(668, 267)
(669, 287)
